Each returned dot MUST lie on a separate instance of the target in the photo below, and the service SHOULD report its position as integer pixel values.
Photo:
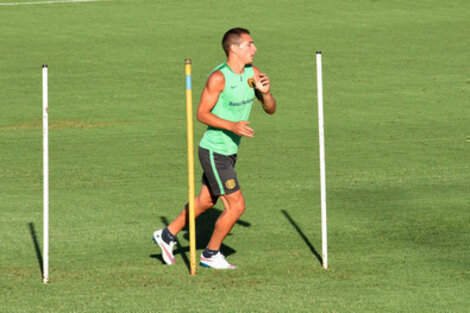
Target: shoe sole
(205, 265)
(225, 268)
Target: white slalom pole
(322, 161)
(45, 137)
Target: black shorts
(219, 172)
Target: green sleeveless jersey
(234, 104)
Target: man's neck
(235, 65)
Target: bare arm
(214, 86)
(263, 91)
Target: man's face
(246, 48)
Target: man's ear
(234, 48)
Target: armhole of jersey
(221, 94)
(225, 80)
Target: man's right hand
(241, 129)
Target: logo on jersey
(237, 104)
(251, 82)
(230, 184)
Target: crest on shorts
(230, 184)
(251, 82)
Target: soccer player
(225, 106)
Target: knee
(206, 202)
(238, 207)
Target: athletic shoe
(167, 249)
(216, 261)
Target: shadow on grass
(32, 232)
(204, 228)
(302, 235)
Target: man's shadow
(205, 224)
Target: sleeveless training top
(234, 104)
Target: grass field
(396, 82)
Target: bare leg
(202, 202)
(234, 207)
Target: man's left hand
(262, 83)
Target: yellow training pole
(189, 118)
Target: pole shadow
(302, 235)
(32, 232)
(205, 225)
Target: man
(225, 106)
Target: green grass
(396, 83)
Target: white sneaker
(216, 261)
(167, 249)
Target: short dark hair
(232, 36)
